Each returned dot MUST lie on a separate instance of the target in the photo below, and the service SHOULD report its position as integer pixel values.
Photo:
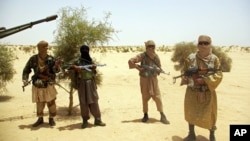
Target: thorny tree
(74, 29)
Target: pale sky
(167, 22)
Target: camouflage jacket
(49, 69)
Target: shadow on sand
(29, 126)
(198, 138)
(62, 115)
(150, 120)
(74, 126)
(4, 98)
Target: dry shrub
(225, 60)
(182, 50)
(6, 67)
(27, 49)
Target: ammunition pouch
(40, 83)
(147, 73)
(85, 75)
(200, 88)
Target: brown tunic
(149, 84)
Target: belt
(85, 75)
(200, 88)
(147, 74)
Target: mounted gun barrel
(6, 32)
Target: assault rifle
(154, 68)
(85, 67)
(199, 72)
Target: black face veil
(85, 53)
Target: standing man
(87, 89)
(44, 93)
(200, 105)
(148, 79)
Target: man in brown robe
(200, 104)
(44, 92)
(148, 79)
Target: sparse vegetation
(180, 51)
(28, 49)
(6, 67)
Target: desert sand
(121, 105)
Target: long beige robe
(203, 114)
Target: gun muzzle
(50, 18)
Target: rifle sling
(153, 60)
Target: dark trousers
(93, 108)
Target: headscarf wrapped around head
(149, 43)
(204, 38)
(42, 48)
(84, 50)
(208, 51)
(150, 52)
(41, 45)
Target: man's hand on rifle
(184, 80)
(58, 62)
(93, 67)
(139, 68)
(158, 70)
(76, 68)
(25, 83)
(199, 81)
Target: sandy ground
(121, 106)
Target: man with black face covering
(87, 89)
